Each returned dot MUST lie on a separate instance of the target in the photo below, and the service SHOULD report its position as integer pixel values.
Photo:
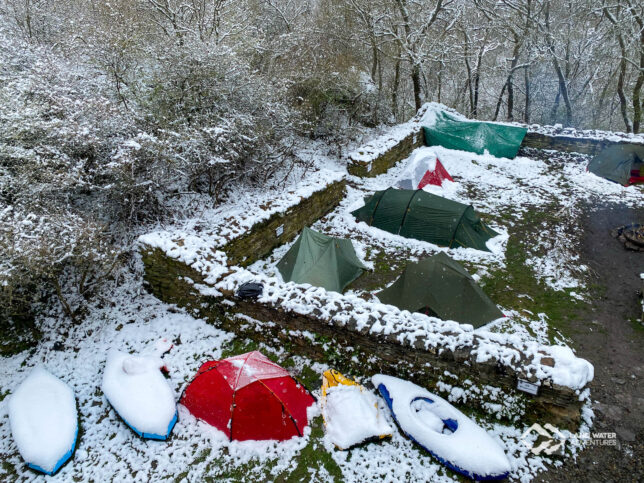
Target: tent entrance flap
(427, 217)
(620, 163)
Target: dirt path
(615, 345)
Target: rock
(625, 434)
(548, 361)
(614, 412)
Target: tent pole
(406, 211)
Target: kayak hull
(453, 420)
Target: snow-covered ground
(134, 321)
(502, 191)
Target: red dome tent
(249, 397)
(423, 169)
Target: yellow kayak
(350, 412)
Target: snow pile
(139, 393)
(44, 424)
(427, 113)
(569, 369)
(379, 146)
(442, 429)
(351, 416)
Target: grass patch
(516, 286)
(313, 457)
(18, 336)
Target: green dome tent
(424, 216)
(322, 261)
(441, 287)
(622, 163)
(474, 136)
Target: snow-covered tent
(423, 168)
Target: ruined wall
(581, 145)
(263, 237)
(365, 166)
(390, 155)
(361, 351)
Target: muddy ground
(609, 335)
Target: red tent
(422, 169)
(249, 397)
(435, 177)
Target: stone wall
(388, 158)
(574, 144)
(415, 139)
(361, 350)
(565, 143)
(280, 228)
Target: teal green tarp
(441, 287)
(322, 261)
(474, 136)
(424, 216)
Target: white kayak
(44, 421)
(437, 426)
(140, 394)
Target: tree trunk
(620, 88)
(638, 104)
(510, 88)
(415, 80)
(526, 81)
(623, 103)
(394, 89)
(499, 102)
(563, 87)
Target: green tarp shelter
(474, 136)
(441, 287)
(424, 216)
(322, 261)
(622, 163)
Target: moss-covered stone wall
(360, 351)
(283, 227)
(387, 159)
(566, 143)
(414, 140)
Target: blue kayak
(442, 430)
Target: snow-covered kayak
(44, 421)
(138, 391)
(437, 426)
(350, 412)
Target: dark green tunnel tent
(450, 132)
(621, 163)
(322, 261)
(441, 287)
(427, 217)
